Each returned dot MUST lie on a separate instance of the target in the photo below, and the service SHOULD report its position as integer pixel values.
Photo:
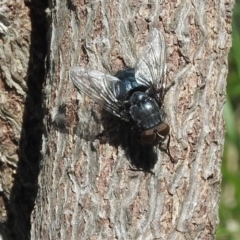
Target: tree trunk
(23, 49)
(87, 188)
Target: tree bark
(23, 49)
(87, 189)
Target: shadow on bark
(25, 186)
(141, 157)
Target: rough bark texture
(23, 48)
(86, 190)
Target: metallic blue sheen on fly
(134, 95)
(126, 85)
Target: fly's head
(157, 136)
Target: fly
(134, 95)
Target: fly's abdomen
(127, 84)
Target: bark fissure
(23, 49)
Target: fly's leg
(103, 133)
(166, 149)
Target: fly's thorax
(138, 97)
(144, 111)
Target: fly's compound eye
(148, 137)
(162, 130)
(152, 136)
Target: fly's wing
(98, 86)
(151, 66)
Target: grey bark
(86, 190)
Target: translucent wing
(151, 66)
(98, 86)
